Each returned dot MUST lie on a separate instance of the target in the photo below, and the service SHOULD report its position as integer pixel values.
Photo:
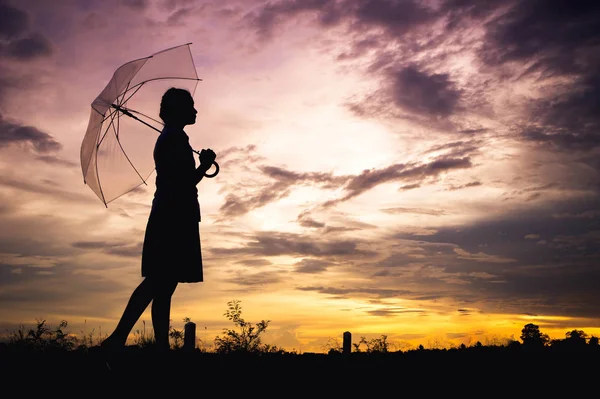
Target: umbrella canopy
(117, 150)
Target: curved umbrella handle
(216, 172)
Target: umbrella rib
(123, 150)
(111, 115)
(138, 85)
(111, 124)
(87, 167)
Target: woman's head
(177, 107)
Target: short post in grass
(347, 346)
(189, 337)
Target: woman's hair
(171, 102)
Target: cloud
(267, 244)
(305, 220)
(118, 249)
(255, 280)
(44, 188)
(13, 22)
(138, 5)
(312, 266)
(482, 257)
(371, 178)
(393, 311)
(238, 203)
(555, 42)
(467, 185)
(254, 262)
(396, 18)
(425, 94)
(500, 256)
(550, 34)
(29, 48)
(419, 211)
(268, 17)
(28, 136)
(54, 160)
(341, 293)
(457, 148)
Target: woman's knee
(162, 287)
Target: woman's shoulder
(167, 135)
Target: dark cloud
(398, 17)
(409, 186)
(457, 148)
(265, 19)
(414, 174)
(54, 160)
(549, 33)
(425, 94)
(343, 293)
(284, 181)
(467, 185)
(401, 172)
(117, 249)
(179, 16)
(254, 262)
(472, 8)
(554, 39)
(138, 5)
(395, 17)
(548, 38)
(44, 188)
(256, 280)
(29, 48)
(531, 261)
(233, 206)
(312, 266)
(28, 136)
(277, 244)
(90, 244)
(393, 311)
(305, 220)
(419, 211)
(13, 22)
(568, 122)
(374, 24)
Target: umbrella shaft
(129, 114)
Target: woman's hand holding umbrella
(207, 159)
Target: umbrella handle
(216, 172)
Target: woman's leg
(138, 302)
(161, 313)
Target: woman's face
(188, 111)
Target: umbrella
(117, 149)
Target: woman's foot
(112, 344)
(111, 347)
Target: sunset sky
(426, 170)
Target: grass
(48, 359)
(54, 360)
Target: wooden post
(189, 337)
(347, 347)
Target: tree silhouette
(576, 339)
(532, 337)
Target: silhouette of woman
(171, 251)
